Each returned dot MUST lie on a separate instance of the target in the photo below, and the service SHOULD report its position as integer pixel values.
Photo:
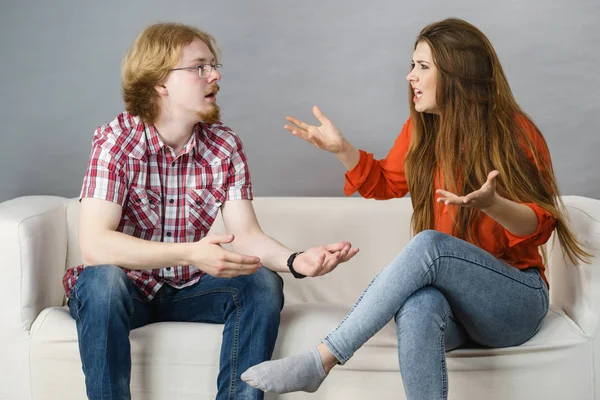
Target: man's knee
(265, 288)
(102, 285)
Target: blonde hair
(147, 63)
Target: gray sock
(291, 374)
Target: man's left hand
(321, 260)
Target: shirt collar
(149, 141)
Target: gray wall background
(60, 75)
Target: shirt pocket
(143, 208)
(203, 207)
(210, 175)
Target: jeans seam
(106, 343)
(444, 382)
(234, 352)
(521, 281)
(443, 352)
(75, 298)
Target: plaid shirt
(164, 198)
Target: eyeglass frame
(200, 68)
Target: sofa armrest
(33, 244)
(575, 289)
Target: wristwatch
(290, 264)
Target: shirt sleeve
(381, 179)
(543, 232)
(239, 185)
(105, 176)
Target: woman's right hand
(325, 137)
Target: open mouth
(418, 93)
(212, 91)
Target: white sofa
(40, 358)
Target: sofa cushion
(159, 354)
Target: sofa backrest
(379, 228)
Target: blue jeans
(443, 292)
(106, 305)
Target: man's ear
(161, 89)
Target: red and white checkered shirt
(164, 198)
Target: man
(157, 176)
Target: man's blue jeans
(106, 305)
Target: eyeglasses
(204, 70)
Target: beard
(211, 116)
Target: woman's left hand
(482, 198)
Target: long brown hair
(479, 128)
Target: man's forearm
(272, 254)
(116, 248)
(519, 219)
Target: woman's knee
(423, 247)
(424, 306)
(429, 237)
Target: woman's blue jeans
(443, 291)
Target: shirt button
(171, 201)
(169, 234)
(173, 164)
(168, 268)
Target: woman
(473, 270)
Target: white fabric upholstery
(38, 239)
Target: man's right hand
(208, 256)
